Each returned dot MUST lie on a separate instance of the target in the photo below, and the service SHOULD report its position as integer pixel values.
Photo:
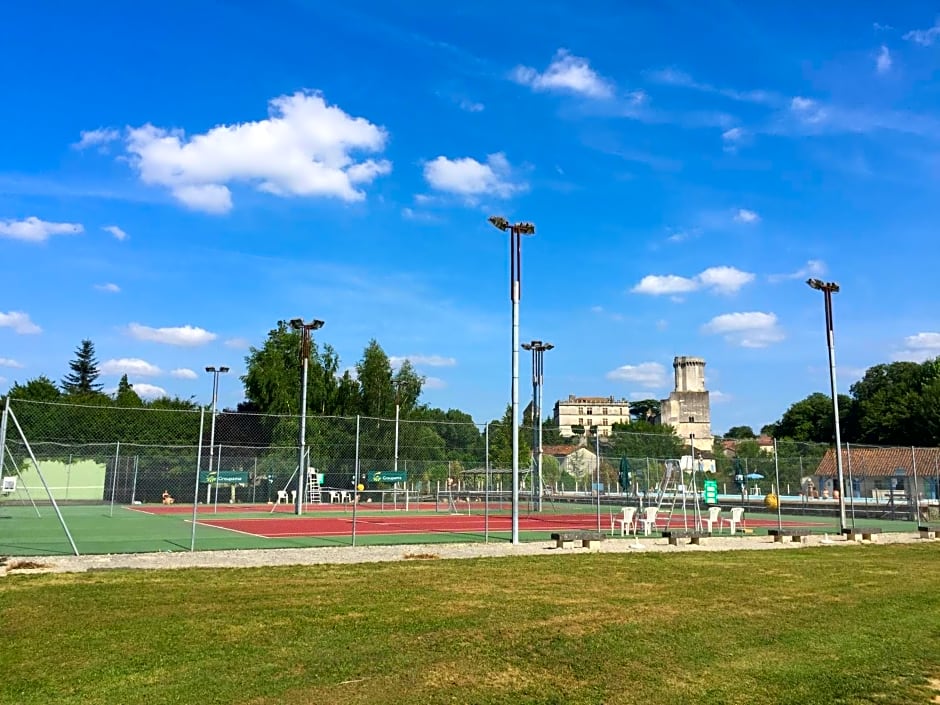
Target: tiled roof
(882, 462)
(560, 451)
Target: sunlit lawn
(857, 624)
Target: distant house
(729, 446)
(876, 472)
(588, 412)
(577, 461)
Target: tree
(811, 420)
(125, 395)
(407, 384)
(84, 375)
(645, 410)
(376, 389)
(39, 389)
(743, 432)
(642, 439)
(272, 379)
(890, 405)
(501, 442)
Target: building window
(691, 419)
(580, 409)
(604, 432)
(604, 411)
(590, 411)
(590, 422)
(581, 421)
(605, 422)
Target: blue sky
(174, 180)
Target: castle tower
(688, 408)
(690, 374)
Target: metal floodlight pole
(516, 231)
(828, 289)
(538, 349)
(305, 330)
(215, 372)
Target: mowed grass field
(857, 624)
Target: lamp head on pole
(500, 223)
(222, 369)
(820, 285)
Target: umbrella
(754, 476)
(624, 473)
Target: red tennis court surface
(293, 527)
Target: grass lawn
(856, 624)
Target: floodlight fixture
(820, 285)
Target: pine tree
(125, 395)
(84, 376)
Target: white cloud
(238, 343)
(108, 288)
(807, 110)
(656, 285)
(97, 138)
(304, 148)
(184, 373)
(732, 137)
(20, 322)
(752, 329)
(118, 233)
(129, 365)
(812, 268)
(423, 360)
(419, 216)
(471, 106)
(920, 347)
(746, 216)
(924, 37)
(647, 374)
(7, 362)
(148, 391)
(566, 73)
(467, 177)
(434, 383)
(722, 280)
(883, 60)
(35, 230)
(718, 397)
(182, 335)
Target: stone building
(688, 409)
(602, 412)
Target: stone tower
(688, 409)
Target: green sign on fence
(387, 476)
(224, 477)
(711, 491)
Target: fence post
(779, 493)
(486, 486)
(117, 458)
(134, 485)
(848, 456)
(355, 483)
(202, 419)
(218, 474)
(3, 433)
(914, 498)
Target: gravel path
(377, 554)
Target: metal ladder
(313, 487)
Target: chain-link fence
(101, 479)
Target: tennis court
(103, 529)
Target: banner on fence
(224, 477)
(387, 476)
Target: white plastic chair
(649, 520)
(625, 519)
(281, 496)
(737, 517)
(714, 517)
